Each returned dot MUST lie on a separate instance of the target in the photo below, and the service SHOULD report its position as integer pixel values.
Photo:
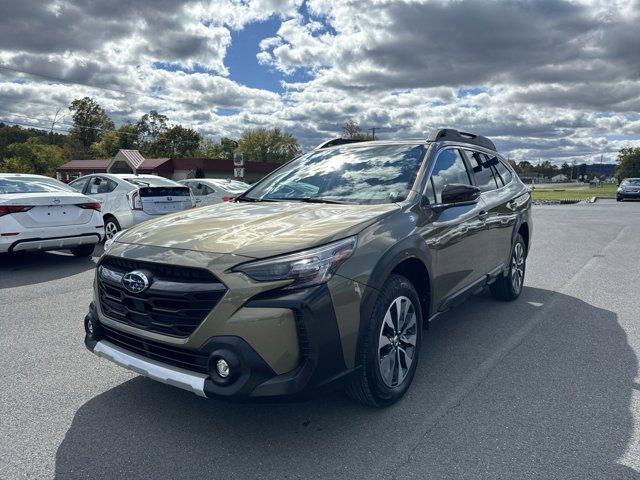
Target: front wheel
(391, 346)
(508, 286)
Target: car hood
(256, 230)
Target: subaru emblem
(135, 282)
(56, 201)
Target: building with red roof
(175, 168)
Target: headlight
(306, 268)
(109, 242)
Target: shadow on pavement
(555, 406)
(29, 268)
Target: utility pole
(53, 124)
(373, 132)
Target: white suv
(128, 199)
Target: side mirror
(458, 194)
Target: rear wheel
(83, 250)
(508, 286)
(391, 347)
(111, 227)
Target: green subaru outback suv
(323, 274)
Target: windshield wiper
(307, 200)
(242, 198)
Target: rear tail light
(227, 198)
(134, 200)
(90, 206)
(7, 209)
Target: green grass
(578, 192)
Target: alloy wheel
(397, 341)
(110, 230)
(517, 267)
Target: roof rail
(337, 141)
(453, 135)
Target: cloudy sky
(552, 79)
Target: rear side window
(504, 172)
(482, 171)
(79, 185)
(101, 185)
(449, 169)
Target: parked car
(128, 199)
(281, 293)
(38, 178)
(38, 216)
(629, 188)
(208, 191)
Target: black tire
(111, 227)
(505, 287)
(370, 388)
(83, 250)
(619, 199)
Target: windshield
(631, 181)
(235, 186)
(151, 181)
(369, 174)
(23, 186)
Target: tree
(152, 124)
(33, 157)
(351, 129)
(125, 137)
(628, 163)
(90, 122)
(176, 141)
(268, 145)
(222, 149)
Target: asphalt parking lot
(544, 387)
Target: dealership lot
(544, 387)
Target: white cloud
(551, 79)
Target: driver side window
(449, 169)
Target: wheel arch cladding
(409, 258)
(523, 230)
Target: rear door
(162, 200)
(457, 234)
(500, 217)
(101, 189)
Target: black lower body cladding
(321, 358)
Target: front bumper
(178, 377)
(321, 362)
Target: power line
(108, 89)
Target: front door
(456, 235)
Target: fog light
(90, 329)
(222, 367)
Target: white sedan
(128, 199)
(37, 216)
(208, 191)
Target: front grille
(175, 304)
(183, 358)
